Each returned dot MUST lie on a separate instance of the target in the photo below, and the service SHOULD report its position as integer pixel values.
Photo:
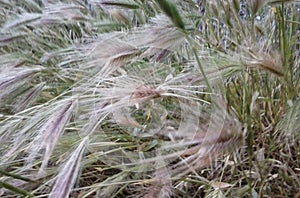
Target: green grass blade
(172, 12)
(16, 176)
(15, 189)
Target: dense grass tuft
(134, 98)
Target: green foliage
(171, 11)
(15, 189)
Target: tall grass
(133, 98)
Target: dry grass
(133, 98)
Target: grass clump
(132, 98)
